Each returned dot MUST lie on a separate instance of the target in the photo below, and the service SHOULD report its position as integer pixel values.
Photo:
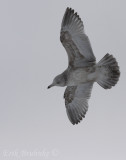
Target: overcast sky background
(33, 118)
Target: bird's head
(58, 81)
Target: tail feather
(108, 72)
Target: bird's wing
(75, 41)
(76, 101)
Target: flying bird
(82, 69)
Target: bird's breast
(80, 75)
(77, 76)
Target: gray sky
(33, 118)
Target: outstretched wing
(75, 41)
(76, 101)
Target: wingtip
(77, 122)
(69, 9)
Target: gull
(82, 69)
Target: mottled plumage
(82, 69)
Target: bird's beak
(50, 86)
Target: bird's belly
(77, 77)
(80, 76)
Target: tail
(108, 72)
